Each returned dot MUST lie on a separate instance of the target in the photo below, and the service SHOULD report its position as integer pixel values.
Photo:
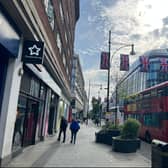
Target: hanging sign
(104, 64)
(33, 52)
(124, 62)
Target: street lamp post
(116, 105)
(88, 102)
(109, 66)
(108, 82)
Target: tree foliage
(95, 108)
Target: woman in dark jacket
(74, 127)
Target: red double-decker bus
(150, 107)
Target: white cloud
(96, 78)
(130, 21)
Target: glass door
(30, 123)
(19, 123)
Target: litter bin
(159, 154)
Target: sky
(143, 23)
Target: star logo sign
(34, 50)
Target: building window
(61, 12)
(64, 60)
(68, 52)
(59, 42)
(67, 71)
(34, 88)
(50, 12)
(66, 39)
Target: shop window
(25, 83)
(35, 87)
(42, 92)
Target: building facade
(33, 96)
(79, 98)
(135, 80)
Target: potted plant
(128, 141)
(107, 132)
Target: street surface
(85, 153)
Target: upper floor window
(67, 18)
(59, 42)
(64, 60)
(61, 12)
(50, 12)
(66, 39)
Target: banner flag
(163, 65)
(124, 62)
(144, 63)
(104, 64)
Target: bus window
(164, 116)
(147, 119)
(137, 117)
(160, 92)
(165, 91)
(152, 120)
(155, 120)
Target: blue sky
(142, 22)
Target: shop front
(37, 108)
(30, 111)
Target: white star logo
(34, 50)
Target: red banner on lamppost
(104, 63)
(124, 62)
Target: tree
(95, 108)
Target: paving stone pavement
(85, 153)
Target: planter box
(125, 145)
(100, 137)
(159, 154)
(105, 137)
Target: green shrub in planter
(128, 141)
(130, 129)
(111, 126)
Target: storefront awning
(46, 78)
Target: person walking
(74, 127)
(97, 121)
(63, 127)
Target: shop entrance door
(30, 122)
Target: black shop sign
(33, 52)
